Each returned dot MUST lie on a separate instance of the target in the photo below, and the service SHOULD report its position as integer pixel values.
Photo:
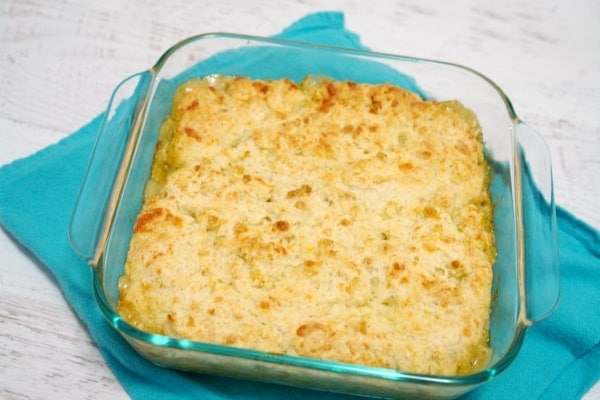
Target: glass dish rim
(365, 52)
(476, 378)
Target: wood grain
(60, 61)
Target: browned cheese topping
(326, 219)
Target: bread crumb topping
(327, 219)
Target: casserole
(525, 284)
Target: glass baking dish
(525, 283)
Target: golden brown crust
(327, 219)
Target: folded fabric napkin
(560, 357)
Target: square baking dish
(525, 281)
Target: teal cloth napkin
(560, 357)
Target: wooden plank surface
(61, 59)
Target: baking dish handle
(539, 237)
(102, 182)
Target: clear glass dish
(525, 283)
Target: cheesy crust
(327, 219)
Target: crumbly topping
(326, 219)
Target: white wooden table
(61, 59)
